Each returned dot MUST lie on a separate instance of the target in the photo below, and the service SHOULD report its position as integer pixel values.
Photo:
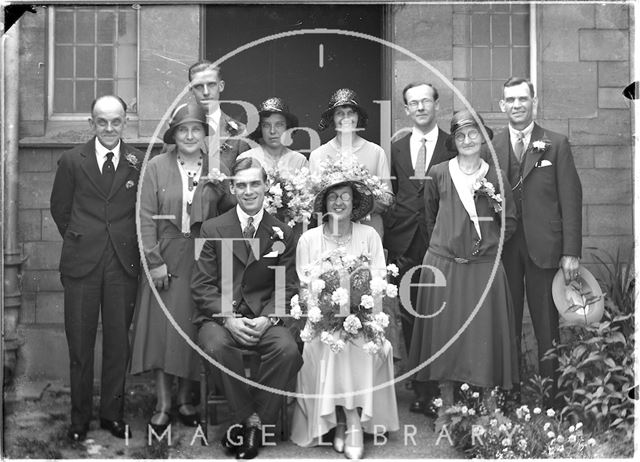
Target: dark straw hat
(184, 113)
(343, 97)
(362, 198)
(464, 118)
(274, 105)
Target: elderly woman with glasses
(464, 207)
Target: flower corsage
(482, 187)
(542, 145)
(133, 161)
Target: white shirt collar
(101, 154)
(430, 136)
(244, 218)
(526, 132)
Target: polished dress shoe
(118, 428)
(189, 420)
(418, 406)
(159, 428)
(232, 438)
(77, 434)
(252, 440)
(430, 410)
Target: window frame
(81, 116)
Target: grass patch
(156, 450)
(29, 448)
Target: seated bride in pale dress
(343, 381)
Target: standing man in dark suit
(93, 204)
(548, 195)
(405, 235)
(225, 133)
(250, 286)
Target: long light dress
(353, 370)
(289, 162)
(369, 154)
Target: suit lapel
(263, 233)
(122, 172)
(532, 156)
(502, 146)
(90, 167)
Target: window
(491, 43)
(94, 51)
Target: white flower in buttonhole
(371, 348)
(278, 232)
(393, 269)
(378, 285)
(317, 285)
(551, 412)
(391, 290)
(382, 319)
(537, 410)
(340, 296)
(464, 387)
(314, 314)
(352, 324)
(307, 334)
(366, 301)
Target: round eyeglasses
(345, 196)
(472, 134)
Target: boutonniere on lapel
(278, 246)
(129, 184)
(133, 161)
(542, 145)
(216, 176)
(482, 187)
(232, 127)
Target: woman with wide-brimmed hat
(463, 209)
(347, 117)
(174, 186)
(275, 119)
(353, 371)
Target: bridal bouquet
(290, 197)
(349, 168)
(339, 314)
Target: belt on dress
(464, 261)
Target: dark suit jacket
(253, 290)
(88, 218)
(551, 212)
(406, 216)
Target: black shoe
(232, 438)
(430, 410)
(77, 434)
(252, 440)
(118, 428)
(159, 429)
(418, 406)
(190, 420)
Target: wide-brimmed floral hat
(191, 112)
(343, 97)
(274, 105)
(464, 118)
(362, 197)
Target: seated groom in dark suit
(239, 287)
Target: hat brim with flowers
(342, 97)
(191, 112)
(270, 106)
(464, 118)
(362, 198)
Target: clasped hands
(570, 268)
(247, 331)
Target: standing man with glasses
(548, 196)
(406, 237)
(93, 205)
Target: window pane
(501, 68)
(461, 64)
(520, 8)
(481, 99)
(480, 33)
(84, 95)
(64, 27)
(480, 63)
(104, 87)
(63, 96)
(520, 27)
(127, 59)
(85, 61)
(105, 62)
(106, 26)
(460, 29)
(63, 65)
(86, 27)
(502, 7)
(520, 61)
(126, 89)
(127, 26)
(496, 85)
(500, 29)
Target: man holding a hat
(548, 196)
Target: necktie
(249, 230)
(421, 161)
(108, 172)
(519, 148)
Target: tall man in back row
(548, 195)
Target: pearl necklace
(337, 239)
(193, 181)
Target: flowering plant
(133, 161)
(542, 145)
(289, 197)
(348, 168)
(482, 187)
(339, 315)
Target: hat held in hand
(581, 302)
